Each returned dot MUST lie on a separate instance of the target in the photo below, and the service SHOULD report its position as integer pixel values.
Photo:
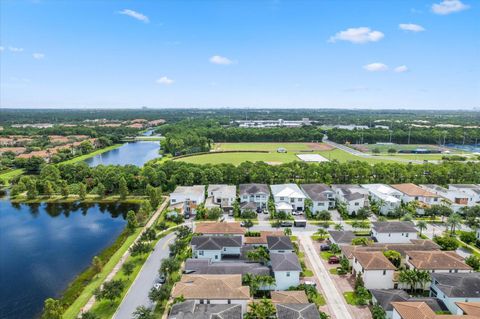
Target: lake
(44, 246)
(133, 153)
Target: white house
(412, 192)
(376, 270)
(478, 233)
(189, 196)
(385, 196)
(290, 194)
(452, 288)
(472, 191)
(286, 269)
(216, 247)
(253, 196)
(321, 195)
(222, 195)
(354, 197)
(213, 289)
(436, 261)
(394, 232)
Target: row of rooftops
(421, 310)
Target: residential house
(453, 288)
(206, 266)
(455, 198)
(421, 310)
(385, 297)
(280, 244)
(189, 197)
(321, 195)
(394, 231)
(190, 310)
(436, 261)
(472, 191)
(374, 268)
(354, 197)
(253, 196)
(262, 239)
(412, 192)
(286, 269)
(289, 296)
(340, 237)
(297, 311)
(220, 229)
(213, 289)
(288, 197)
(221, 196)
(478, 233)
(216, 248)
(386, 197)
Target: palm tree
(263, 309)
(408, 277)
(423, 277)
(322, 233)
(421, 225)
(453, 221)
(338, 226)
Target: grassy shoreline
(22, 199)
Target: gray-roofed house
(216, 248)
(286, 269)
(343, 236)
(322, 196)
(394, 231)
(253, 196)
(297, 311)
(279, 244)
(354, 197)
(455, 287)
(190, 310)
(205, 266)
(384, 298)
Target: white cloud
(1, 49)
(38, 56)
(136, 15)
(357, 35)
(218, 59)
(401, 69)
(14, 49)
(164, 80)
(376, 67)
(411, 27)
(449, 6)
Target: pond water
(134, 153)
(44, 246)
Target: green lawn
(326, 254)
(351, 298)
(333, 271)
(272, 147)
(92, 154)
(6, 177)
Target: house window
(288, 274)
(224, 249)
(292, 200)
(299, 200)
(173, 200)
(229, 301)
(216, 256)
(202, 301)
(200, 252)
(357, 204)
(282, 198)
(384, 272)
(408, 234)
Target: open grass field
(272, 147)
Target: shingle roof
(373, 260)
(285, 262)
(220, 228)
(188, 310)
(316, 191)
(460, 285)
(215, 242)
(252, 189)
(297, 311)
(279, 243)
(385, 297)
(438, 260)
(205, 266)
(342, 236)
(293, 296)
(219, 287)
(287, 190)
(394, 227)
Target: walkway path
(124, 257)
(335, 301)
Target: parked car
(310, 283)
(265, 211)
(161, 279)
(259, 210)
(157, 285)
(286, 224)
(333, 260)
(324, 247)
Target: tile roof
(415, 244)
(437, 260)
(293, 296)
(413, 190)
(420, 310)
(215, 242)
(219, 287)
(285, 262)
(262, 239)
(252, 189)
(279, 243)
(470, 308)
(219, 228)
(373, 260)
(459, 285)
(297, 311)
(189, 310)
(205, 266)
(394, 227)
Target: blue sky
(341, 54)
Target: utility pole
(409, 132)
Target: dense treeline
(103, 180)
(401, 136)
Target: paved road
(335, 301)
(137, 295)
